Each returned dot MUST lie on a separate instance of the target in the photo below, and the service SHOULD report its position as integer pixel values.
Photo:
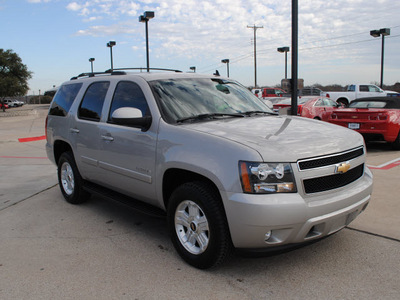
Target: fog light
(268, 236)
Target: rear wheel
(70, 181)
(198, 226)
(343, 102)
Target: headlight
(266, 178)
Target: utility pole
(295, 45)
(255, 51)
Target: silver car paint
(134, 163)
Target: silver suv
(204, 151)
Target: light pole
(91, 62)
(111, 44)
(285, 50)
(145, 19)
(255, 52)
(226, 61)
(377, 33)
(193, 69)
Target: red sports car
(287, 102)
(319, 108)
(376, 118)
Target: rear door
(84, 130)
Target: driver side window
(128, 94)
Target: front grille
(331, 182)
(330, 160)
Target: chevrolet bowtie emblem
(342, 168)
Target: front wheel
(70, 181)
(198, 226)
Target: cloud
(330, 32)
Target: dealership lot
(100, 250)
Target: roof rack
(92, 74)
(145, 69)
(119, 71)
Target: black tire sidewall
(219, 239)
(78, 195)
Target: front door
(128, 154)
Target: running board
(121, 198)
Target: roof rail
(120, 71)
(92, 74)
(145, 69)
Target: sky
(56, 38)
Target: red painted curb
(32, 139)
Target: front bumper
(290, 218)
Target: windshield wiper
(253, 112)
(208, 116)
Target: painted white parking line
(386, 166)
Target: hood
(284, 138)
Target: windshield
(181, 99)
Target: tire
(70, 181)
(343, 102)
(198, 226)
(396, 143)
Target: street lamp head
(384, 31)
(375, 33)
(111, 44)
(91, 59)
(146, 16)
(149, 15)
(225, 61)
(283, 49)
(193, 69)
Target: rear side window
(92, 103)
(64, 98)
(128, 94)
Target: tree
(14, 75)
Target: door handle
(74, 130)
(107, 138)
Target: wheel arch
(175, 177)
(59, 148)
(343, 100)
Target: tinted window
(92, 103)
(368, 104)
(129, 94)
(351, 88)
(64, 98)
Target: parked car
(5, 105)
(318, 108)
(19, 103)
(376, 118)
(272, 92)
(13, 103)
(10, 103)
(268, 92)
(287, 103)
(355, 91)
(205, 153)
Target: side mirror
(129, 116)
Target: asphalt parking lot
(50, 249)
